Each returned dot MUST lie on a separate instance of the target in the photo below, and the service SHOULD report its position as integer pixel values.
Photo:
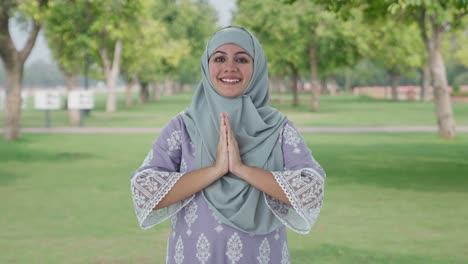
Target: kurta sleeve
(159, 172)
(302, 180)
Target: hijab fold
(256, 126)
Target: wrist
(239, 170)
(216, 171)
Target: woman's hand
(235, 162)
(222, 160)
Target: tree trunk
(277, 87)
(156, 92)
(300, 85)
(112, 72)
(12, 114)
(394, 81)
(129, 90)
(425, 82)
(314, 82)
(13, 61)
(73, 114)
(443, 105)
(293, 83)
(168, 87)
(144, 92)
(177, 87)
(347, 81)
(332, 86)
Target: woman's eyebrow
(219, 51)
(225, 53)
(241, 52)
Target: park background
(390, 196)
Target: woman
(231, 172)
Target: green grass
(347, 110)
(389, 198)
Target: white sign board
(81, 99)
(47, 100)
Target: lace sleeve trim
(148, 188)
(304, 189)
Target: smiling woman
(230, 172)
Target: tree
(189, 23)
(196, 21)
(301, 36)
(277, 28)
(32, 13)
(434, 19)
(66, 33)
(396, 48)
(108, 23)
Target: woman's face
(231, 69)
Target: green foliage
(168, 40)
(67, 33)
(35, 10)
(190, 24)
(395, 46)
(287, 31)
(455, 47)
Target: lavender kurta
(197, 235)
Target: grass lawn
(389, 198)
(347, 110)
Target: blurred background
(379, 90)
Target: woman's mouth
(229, 80)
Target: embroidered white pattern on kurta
(298, 182)
(148, 188)
(292, 138)
(190, 215)
(285, 254)
(234, 248)
(173, 224)
(264, 250)
(179, 251)
(304, 188)
(174, 142)
(148, 158)
(203, 249)
(277, 234)
(138, 198)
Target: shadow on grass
(28, 155)
(15, 154)
(331, 254)
(421, 167)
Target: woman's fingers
(222, 160)
(233, 149)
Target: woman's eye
(218, 59)
(242, 60)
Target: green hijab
(256, 126)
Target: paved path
(146, 130)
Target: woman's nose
(230, 66)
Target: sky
(41, 50)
